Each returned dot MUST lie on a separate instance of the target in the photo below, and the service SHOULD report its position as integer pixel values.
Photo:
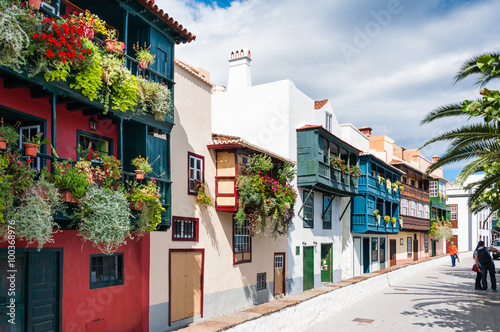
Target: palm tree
(478, 143)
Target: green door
(433, 248)
(37, 290)
(308, 268)
(43, 291)
(326, 263)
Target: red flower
(36, 35)
(89, 156)
(81, 56)
(30, 160)
(97, 156)
(49, 54)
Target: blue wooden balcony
(318, 175)
(369, 185)
(367, 223)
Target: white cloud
(401, 68)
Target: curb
(297, 312)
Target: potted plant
(34, 214)
(387, 219)
(103, 216)
(202, 197)
(146, 199)
(8, 136)
(142, 167)
(393, 220)
(112, 44)
(355, 174)
(71, 183)
(337, 165)
(401, 221)
(376, 212)
(380, 179)
(33, 144)
(90, 24)
(143, 55)
(35, 3)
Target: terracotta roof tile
(221, 140)
(169, 20)
(319, 104)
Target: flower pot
(35, 3)
(67, 196)
(345, 179)
(137, 206)
(110, 45)
(143, 64)
(139, 175)
(336, 174)
(3, 144)
(30, 149)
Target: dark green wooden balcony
(315, 146)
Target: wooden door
(186, 285)
(43, 291)
(415, 249)
(279, 274)
(326, 263)
(392, 252)
(357, 257)
(366, 255)
(308, 268)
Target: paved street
(440, 299)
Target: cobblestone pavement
(441, 299)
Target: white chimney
(240, 75)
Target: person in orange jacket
(453, 252)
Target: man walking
(485, 265)
(453, 252)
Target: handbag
(474, 268)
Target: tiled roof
(167, 19)
(220, 139)
(319, 104)
(190, 69)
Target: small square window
(327, 212)
(261, 281)
(185, 229)
(106, 270)
(308, 210)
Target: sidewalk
(297, 312)
(439, 299)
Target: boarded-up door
(308, 268)
(392, 252)
(186, 284)
(279, 274)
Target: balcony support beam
(329, 204)
(304, 202)
(125, 29)
(120, 139)
(53, 120)
(342, 215)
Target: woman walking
(479, 275)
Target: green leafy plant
(120, 86)
(152, 208)
(33, 216)
(21, 175)
(13, 39)
(202, 197)
(10, 134)
(143, 55)
(142, 164)
(104, 218)
(68, 178)
(88, 78)
(154, 98)
(337, 162)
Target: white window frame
(454, 212)
(404, 207)
(413, 209)
(328, 121)
(433, 188)
(420, 210)
(196, 169)
(426, 211)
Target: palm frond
(445, 111)
(469, 67)
(482, 130)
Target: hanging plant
(387, 219)
(146, 199)
(267, 203)
(103, 216)
(202, 197)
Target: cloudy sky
(381, 63)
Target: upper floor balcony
(117, 64)
(326, 163)
(254, 183)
